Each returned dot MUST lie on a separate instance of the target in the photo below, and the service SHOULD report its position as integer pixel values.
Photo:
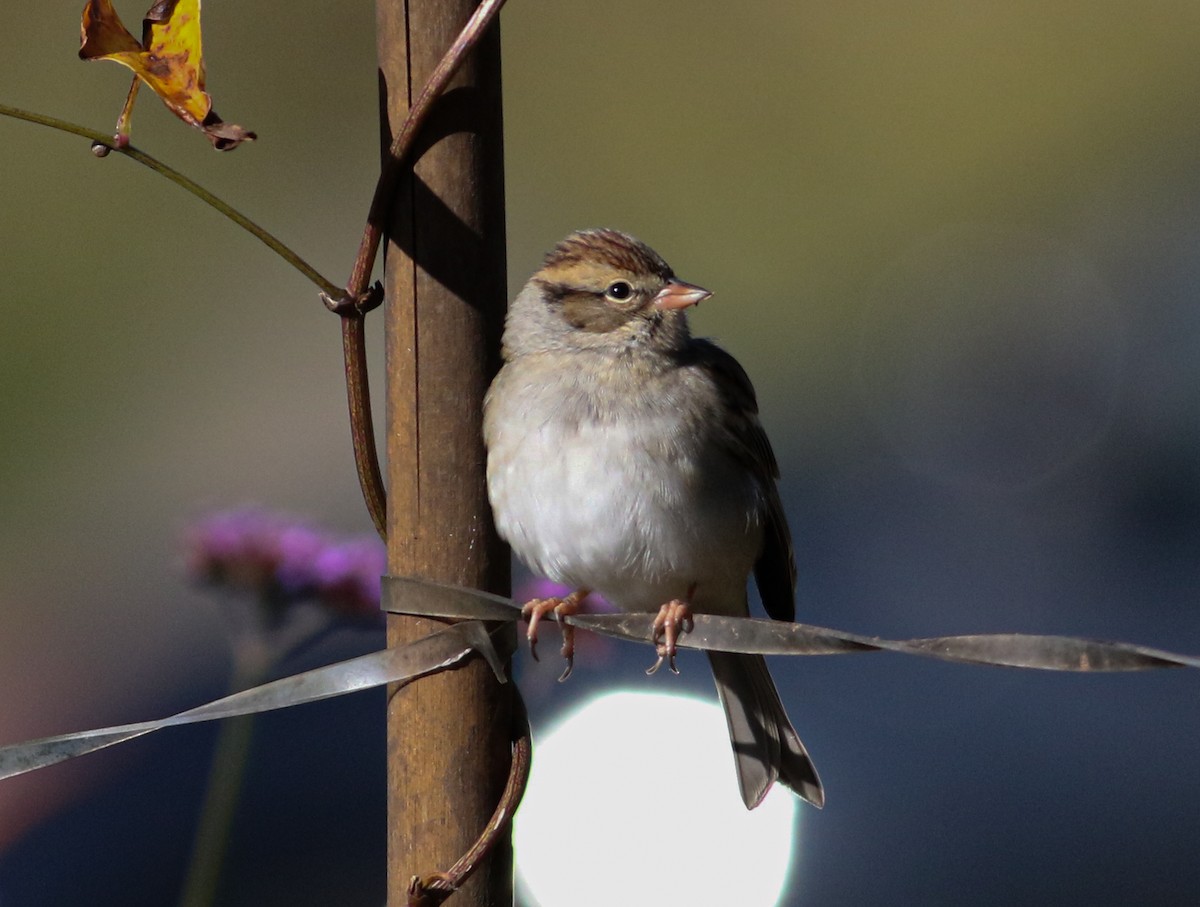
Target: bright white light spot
(633, 800)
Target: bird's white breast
(639, 507)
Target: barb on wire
(769, 637)
(353, 331)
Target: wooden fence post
(448, 735)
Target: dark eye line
(556, 292)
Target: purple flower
(298, 548)
(234, 548)
(281, 560)
(348, 575)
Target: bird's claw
(658, 662)
(673, 619)
(535, 610)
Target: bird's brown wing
(775, 569)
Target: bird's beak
(679, 295)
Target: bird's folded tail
(766, 748)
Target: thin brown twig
(433, 889)
(362, 426)
(358, 296)
(101, 140)
(402, 144)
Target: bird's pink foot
(535, 610)
(674, 618)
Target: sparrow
(625, 457)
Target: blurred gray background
(954, 244)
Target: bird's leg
(674, 618)
(535, 610)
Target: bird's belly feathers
(639, 511)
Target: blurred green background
(955, 245)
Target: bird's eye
(619, 289)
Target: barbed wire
(749, 635)
(480, 619)
(476, 610)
